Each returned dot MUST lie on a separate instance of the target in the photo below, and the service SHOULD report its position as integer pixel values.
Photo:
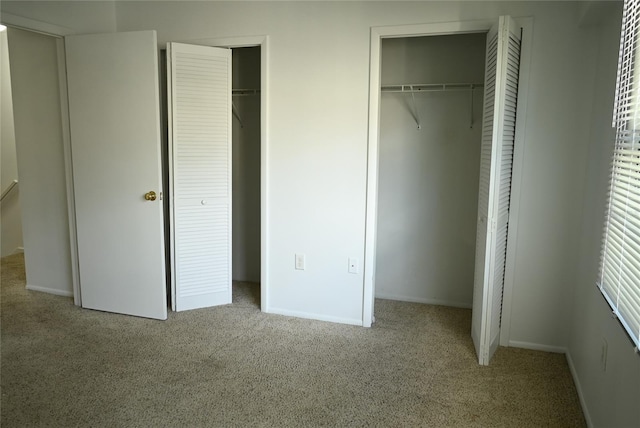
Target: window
(620, 258)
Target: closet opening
(214, 209)
(506, 70)
(246, 175)
(431, 109)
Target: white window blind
(620, 258)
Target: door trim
(68, 171)
(263, 43)
(35, 26)
(436, 29)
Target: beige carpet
(235, 366)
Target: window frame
(619, 272)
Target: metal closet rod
(431, 87)
(244, 92)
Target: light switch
(299, 262)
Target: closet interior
(246, 173)
(429, 162)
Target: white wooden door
(498, 132)
(115, 142)
(199, 97)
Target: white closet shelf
(431, 87)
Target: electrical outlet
(300, 262)
(603, 354)
(353, 265)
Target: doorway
(39, 157)
(11, 224)
(216, 172)
(246, 175)
(508, 57)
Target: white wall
(562, 65)
(611, 396)
(318, 86)
(318, 60)
(246, 167)
(38, 130)
(76, 16)
(11, 234)
(428, 178)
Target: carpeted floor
(235, 366)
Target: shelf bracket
(9, 188)
(416, 114)
(471, 109)
(236, 115)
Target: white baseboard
(576, 381)
(306, 315)
(400, 298)
(538, 347)
(18, 250)
(50, 290)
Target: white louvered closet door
(498, 134)
(199, 98)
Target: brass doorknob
(150, 196)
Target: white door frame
(263, 43)
(440, 29)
